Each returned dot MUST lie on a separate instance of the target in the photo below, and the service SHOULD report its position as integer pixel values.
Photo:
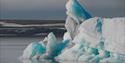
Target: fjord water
(11, 48)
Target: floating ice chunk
(52, 42)
(34, 50)
(37, 49)
(114, 33)
(54, 47)
(57, 50)
(27, 51)
(61, 46)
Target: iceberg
(102, 39)
(88, 39)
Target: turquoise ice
(99, 25)
(54, 47)
(80, 11)
(37, 49)
(76, 11)
(49, 51)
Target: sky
(55, 9)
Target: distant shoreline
(31, 21)
(31, 27)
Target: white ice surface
(114, 33)
(87, 32)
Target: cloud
(55, 9)
(31, 4)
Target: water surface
(11, 48)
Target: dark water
(11, 48)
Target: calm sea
(11, 48)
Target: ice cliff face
(98, 40)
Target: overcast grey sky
(55, 9)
